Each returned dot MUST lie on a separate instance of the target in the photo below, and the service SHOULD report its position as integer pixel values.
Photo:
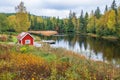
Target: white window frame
(27, 41)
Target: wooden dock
(49, 41)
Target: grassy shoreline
(103, 37)
(46, 63)
(50, 33)
(45, 33)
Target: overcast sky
(55, 8)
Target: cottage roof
(22, 35)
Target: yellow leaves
(33, 79)
(111, 20)
(40, 19)
(91, 24)
(29, 66)
(19, 22)
(65, 21)
(105, 25)
(26, 59)
(12, 21)
(74, 21)
(119, 16)
(22, 20)
(108, 20)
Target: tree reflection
(108, 49)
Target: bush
(28, 66)
(10, 38)
(25, 48)
(7, 76)
(3, 38)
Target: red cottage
(25, 38)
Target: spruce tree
(97, 13)
(106, 9)
(114, 6)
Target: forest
(102, 24)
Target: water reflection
(92, 48)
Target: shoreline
(103, 37)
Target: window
(27, 41)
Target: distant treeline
(104, 24)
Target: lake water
(92, 48)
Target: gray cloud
(72, 4)
(4, 3)
(55, 7)
(59, 7)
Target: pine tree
(83, 22)
(114, 6)
(70, 14)
(86, 21)
(70, 23)
(106, 9)
(97, 13)
(74, 21)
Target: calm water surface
(92, 48)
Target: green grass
(14, 39)
(49, 57)
(7, 76)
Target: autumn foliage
(47, 63)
